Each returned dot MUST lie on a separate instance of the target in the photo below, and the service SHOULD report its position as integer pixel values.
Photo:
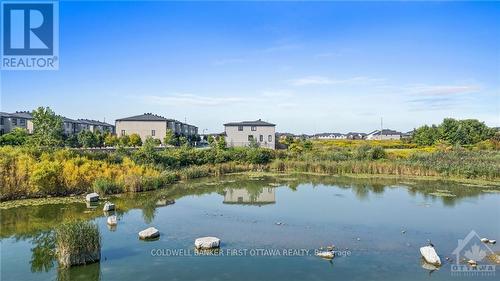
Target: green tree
(147, 154)
(47, 128)
(87, 139)
(426, 135)
(135, 140)
(124, 140)
(218, 142)
(183, 141)
(110, 140)
(72, 141)
(170, 138)
(18, 136)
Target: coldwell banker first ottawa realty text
(30, 35)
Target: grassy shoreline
(30, 173)
(74, 198)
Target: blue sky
(308, 67)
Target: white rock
(149, 233)
(207, 243)
(92, 197)
(108, 206)
(326, 254)
(430, 255)
(492, 241)
(485, 240)
(112, 220)
(472, 262)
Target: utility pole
(381, 126)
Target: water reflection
(35, 223)
(89, 272)
(28, 221)
(242, 196)
(43, 252)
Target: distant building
(19, 119)
(152, 125)
(24, 119)
(246, 132)
(386, 134)
(94, 126)
(355, 136)
(330, 136)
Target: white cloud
(443, 90)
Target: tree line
(454, 132)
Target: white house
(330, 136)
(385, 135)
(246, 132)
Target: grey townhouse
(24, 119)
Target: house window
(153, 132)
(270, 138)
(123, 132)
(22, 121)
(261, 138)
(1, 121)
(254, 128)
(240, 128)
(14, 121)
(250, 137)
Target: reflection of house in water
(244, 196)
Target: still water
(270, 228)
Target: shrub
(106, 186)
(78, 242)
(46, 177)
(377, 153)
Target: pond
(270, 227)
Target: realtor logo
(30, 35)
(471, 257)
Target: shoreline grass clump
(78, 242)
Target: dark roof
(22, 114)
(385, 132)
(354, 133)
(145, 117)
(93, 122)
(250, 123)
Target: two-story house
(246, 132)
(152, 125)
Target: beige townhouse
(245, 132)
(152, 125)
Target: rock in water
(430, 255)
(326, 255)
(485, 240)
(112, 220)
(207, 243)
(492, 241)
(108, 206)
(149, 233)
(92, 197)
